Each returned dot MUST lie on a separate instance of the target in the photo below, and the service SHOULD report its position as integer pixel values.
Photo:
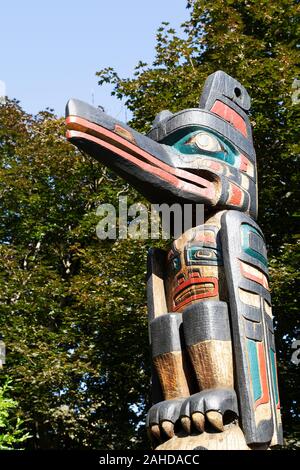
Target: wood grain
(232, 438)
(171, 370)
(212, 362)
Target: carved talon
(216, 420)
(186, 424)
(162, 418)
(168, 428)
(155, 431)
(210, 404)
(198, 421)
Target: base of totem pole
(232, 438)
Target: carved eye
(208, 142)
(199, 254)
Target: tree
(11, 432)
(70, 304)
(255, 41)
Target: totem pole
(210, 318)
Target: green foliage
(285, 275)
(72, 308)
(11, 425)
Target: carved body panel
(195, 268)
(246, 269)
(223, 260)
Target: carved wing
(156, 299)
(156, 304)
(246, 269)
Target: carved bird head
(199, 155)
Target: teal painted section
(183, 147)
(176, 263)
(200, 253)
(245, 233)
(274, 375)
(254, 369)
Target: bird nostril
(237, 92)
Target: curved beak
(152, 168)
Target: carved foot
(162, 417)
(212, 408)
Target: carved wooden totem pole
(210, 318)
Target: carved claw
(208, 406)
(198, 421)
(186, 424)
(162, 417)
(216, 420)
(168, 428)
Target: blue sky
(50, 51)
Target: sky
(51, 50)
